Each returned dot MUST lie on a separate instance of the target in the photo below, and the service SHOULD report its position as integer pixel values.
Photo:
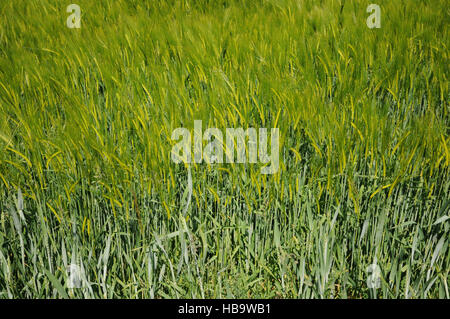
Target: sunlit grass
(86, 117)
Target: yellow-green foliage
(86, 117)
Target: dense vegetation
(86, 117)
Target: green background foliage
(86, 117)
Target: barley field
(359, 207)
